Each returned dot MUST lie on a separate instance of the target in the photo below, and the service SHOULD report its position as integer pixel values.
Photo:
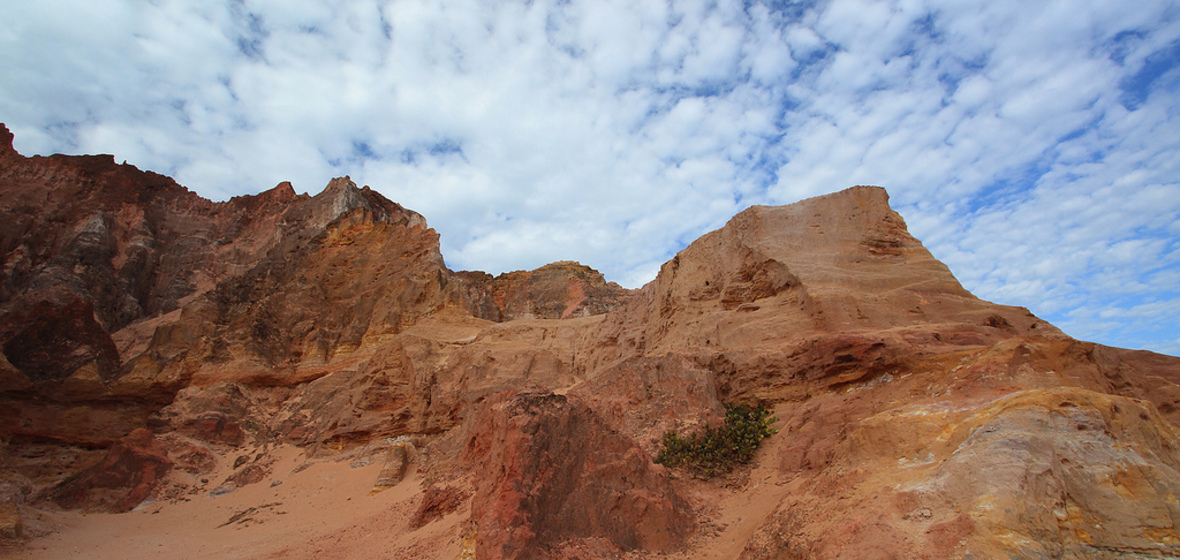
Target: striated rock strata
(915, 420)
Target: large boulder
(126, 476)
(538, 486)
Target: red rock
(423, 380)
(248, 474)
(643, 398)
(188, 456)
(555, 291)
(917, 421)
(160, 289)
(126, 476)
(436, 503)
(537, 487)
(788, 300)
(212, 414)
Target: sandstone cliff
(915, 420)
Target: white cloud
(1032, 146)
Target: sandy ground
(325, 510)
(322, 511)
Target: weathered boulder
(396, 465)
(11, 524)
(126, 476)
(536, 486)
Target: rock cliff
(156, 343)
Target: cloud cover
(1031, 146)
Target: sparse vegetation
(716, 451)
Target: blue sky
(1033, 146)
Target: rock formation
(548, 470)
(151, 339)
(125, 477)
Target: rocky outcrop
(555, 291)
(784, 302)
(224, 413)
(127, 475)
(436, 503)
(538, 487)
(123, 288)
(1018, 449)
(916, 421)
(11, 524)
(396, 466)
(643, 398)
(320, 291)
(1053, 472)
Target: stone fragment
(11, 524)
(436, 503)
(395, 467)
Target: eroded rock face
(539, 487)
(787, 301)
(437, 502)
(555, 291)
(222, 413)
(122, 288)
(321, 289)
(1005, 451)
(1063, 472)
(126, 476)
(917, 421)
(643, 398)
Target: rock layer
(916, 421)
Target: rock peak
(340, 196)
(338, 184)
(281, 192)
(285, 188)
(6, 138)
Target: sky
(1034, 147)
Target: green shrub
(717, 451)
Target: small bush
(717, 451)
